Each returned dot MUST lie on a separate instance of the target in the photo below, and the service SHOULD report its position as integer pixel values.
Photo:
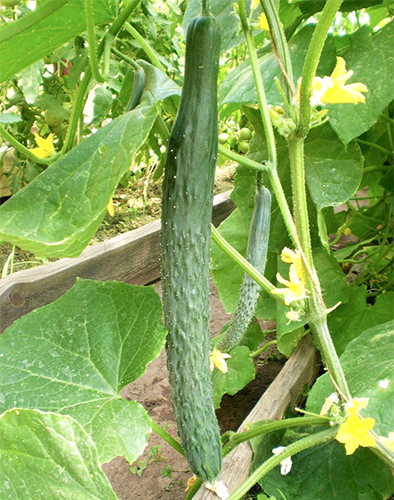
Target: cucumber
(138, 88)
(186, 218)
(257, 256)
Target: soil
(161, 473)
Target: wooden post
(301, 368)
(132, 257)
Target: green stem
(92, 43)
(193, 490)
(24, 150)
(205, 7)
(266, 285)
(166, 437)
(279, 44)
(283, 205)
(265, 428)
(243, 160)
(386, 455)
(387, 118)
(83, 86)
(258, 81)
(374, 146)
(125, 58)
(145, 46)
(373, 168)
(254, 354)
(291, 450)
(317, 313)
(312, 60)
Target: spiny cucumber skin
(186, 218)
(257, 256)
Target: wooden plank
(132, 257)
(300, 369)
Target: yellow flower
(45, 148)
(341, 93)
(295, 287)
(263, 23)
(217, 359)
(111, 208)
(255, 4)
(293, 257)
(190, 483)
(388, 441)
(355, 432)
(356, 404)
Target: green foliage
(361, 476)
(45, 455)
(26, 41)
(372, 60)
(95, 339)
(241, 371)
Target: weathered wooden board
(132, 257)
(301, 368)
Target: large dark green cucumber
(257, 256)
(186, 217)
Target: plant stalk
(265, 284)
(145, 46)
(331, 7)
(265, 428)
(166, 437)
(290, 450)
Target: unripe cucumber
(186, 219)
(257, 256)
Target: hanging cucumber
(257, 256)
(186, 218)
(138, 88)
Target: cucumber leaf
(57, 214)
(326, 472)
(241, 371)
(371, 58)
(44, 455)
(78, 353)
(349, 320)
(48, 27)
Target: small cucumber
(186, 217)
(138, 88)
(257, 256)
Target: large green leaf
(241, 371)
(57, 214)
(333, 173)
(326, 472)
(47, 456)
(76, 354)
(48, 27)
(371, 58)
(366, 361)
(238, 86)
(349, 320)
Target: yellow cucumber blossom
(388, 441)
(255, 4)
(333, 89)
(263, 22)
(295, 288)
(293, 315)
(354, 432)
(111, 208)
(293, 257)
(45, 148)
(217, 359)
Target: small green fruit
(52, 119)
(223, 137)
(245, 134)
(243, 146)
